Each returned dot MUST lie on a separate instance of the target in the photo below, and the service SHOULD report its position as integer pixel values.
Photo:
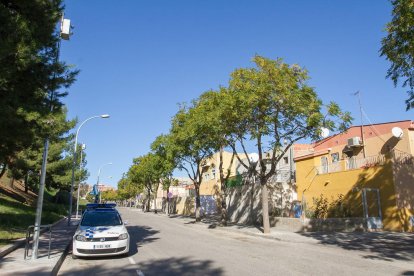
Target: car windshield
(101, 219)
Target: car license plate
(101, 246)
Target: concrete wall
(334, 224)
(244, 201)
(403, 168)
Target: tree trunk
(155, 204)
(168, 200)
(3, 169)
(149, 201)
(26, 184)
(198, 204)
(223, 208)
(251, 214)
(223, 191)
(265, 208)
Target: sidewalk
(390, 246)
(15, 264)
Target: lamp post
(80, 168)
(104, 116)
(97, 182)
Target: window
(285, 160)
(324, 164)
(101, 218)
(213, 173)
(335, 157)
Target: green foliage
(27, 163)
(321, 207)
(235, 181)
(15, 217)
(162, 148)
(109, 195)
(398, 46)
(29, 74)
(273, 106)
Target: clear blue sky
(139, 59)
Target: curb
(20, 242)
(259, 235)
(62, 258)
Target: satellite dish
(253, 157)
(397, 132)
(324, 132)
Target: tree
(215, 108)
(27, 162)
(109, 195)
(272, 105)
(398, 46)
(192, 144)
(29, 73)
(127, 189)
(145, 174)
(163, 149)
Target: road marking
(131, 260)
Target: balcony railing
(351, 164)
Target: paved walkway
(15, 264)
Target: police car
(101, 232)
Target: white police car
(101, 232)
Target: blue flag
(95, 190)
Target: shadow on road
(140, 235)
(382, 246)
(179, 266)
(170, 266)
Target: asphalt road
(174, 246)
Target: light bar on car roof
(100, 205)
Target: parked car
(101, 232)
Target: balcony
(351, 164)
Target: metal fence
(351, 164)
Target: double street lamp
(104, 116)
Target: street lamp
(97, 182)
(80, 168)
(103, 116)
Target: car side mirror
(126, 222)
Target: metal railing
(29, 237)
(403, 158)
(351, 164)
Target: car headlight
(80, 238)
(123, 236)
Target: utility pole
(83, 146)
(362, 123)
(64, 33)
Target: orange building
(366, 171)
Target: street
(176, 246)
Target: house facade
(244, 194)
(365, 172)
(210, 187)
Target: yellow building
(366, 171)
(210, 185)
